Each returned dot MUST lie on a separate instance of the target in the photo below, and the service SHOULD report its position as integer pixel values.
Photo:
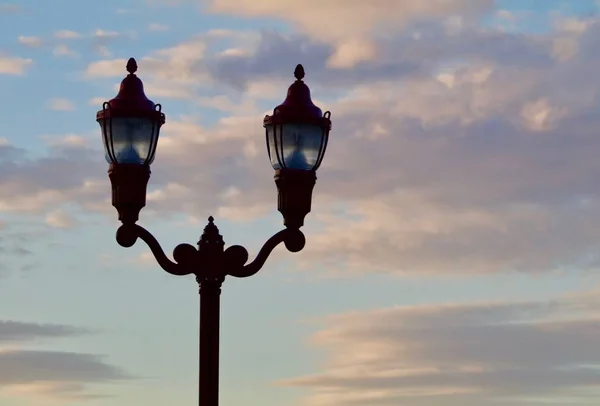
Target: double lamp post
(296, 136)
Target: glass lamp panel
(272, 145)
(105, 127)
(301, 145)
(132, 139)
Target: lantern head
(130, 123)
(130, 126)
(298, 131)
(297, 134)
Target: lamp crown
(298, 106)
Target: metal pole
(210, 292)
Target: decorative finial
(299, 72)
(132, 66)
(211, 234)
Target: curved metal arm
(128, 234)
(236, 256)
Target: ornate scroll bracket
(236, 255)
(183, 254)
(205, 262)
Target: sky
(453, 247)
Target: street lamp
(296, 136)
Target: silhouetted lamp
(297, 135)
(130, 126)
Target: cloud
(461, 354)
(101, 40)
(34, 42)
(107, 68)
(123, 11)
(60, 219)
(54, 373)
(354, 18)
(79, 367)
(174, 64)
(16, 253)
(483, 165)
(64, 50)
(158, 27)
(67, 34)
(51, 374)
(352, 25)
(60, 104)
(16, 331)
(13, 66)
(41, 185)
(99, 33)
(8, 8)
(467, 152)
(170, 72)
(67, 141)
(426, 48)
(97, 101)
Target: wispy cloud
(63, 50)
(50, 374)
(14, 66)
(60, 219)
(8, 8)
(30, 41)
(158, 27)
(67, 34)
(467, 354)
(60, 104)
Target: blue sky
(452, 251)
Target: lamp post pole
(210, 312)
(297, 134)
(210, 294)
